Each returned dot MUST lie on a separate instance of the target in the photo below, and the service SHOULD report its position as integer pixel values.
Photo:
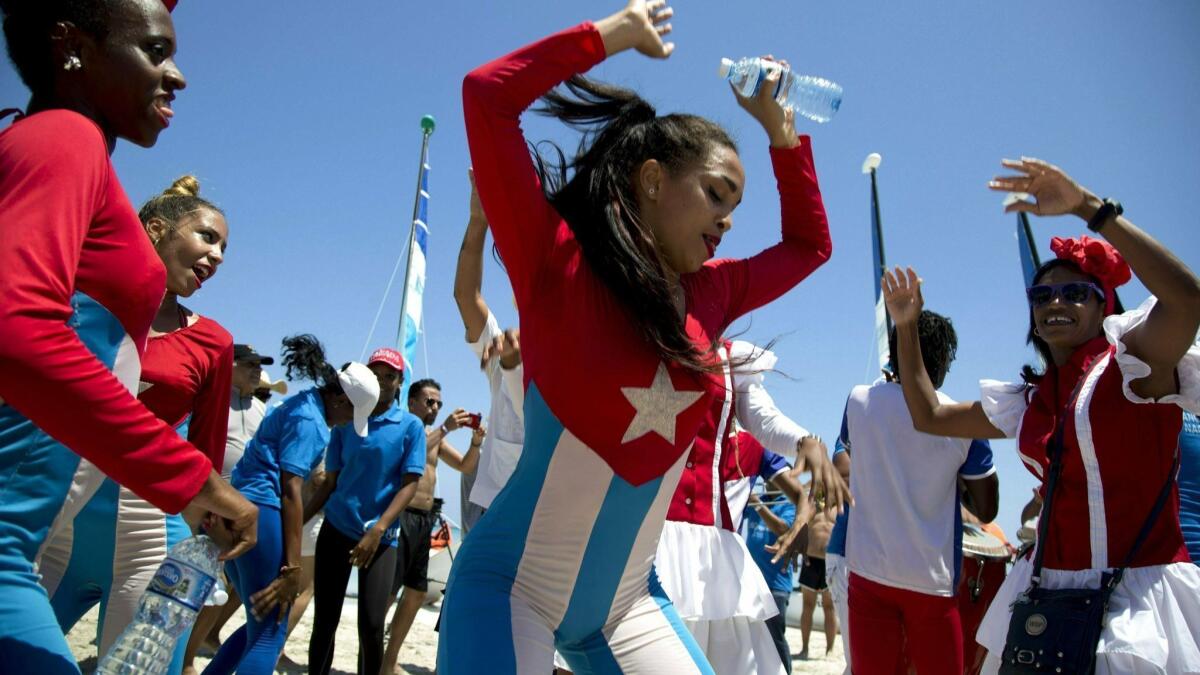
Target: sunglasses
(1074, 292)
(433, 403)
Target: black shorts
(412, 559)
(812, 574)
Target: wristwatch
(1108, 209)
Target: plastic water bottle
(816, 98)
(168, 608)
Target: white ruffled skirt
(1153, 622)
(721, 596)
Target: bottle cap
(726, 66)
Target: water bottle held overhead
(168, 608)
(816, 98)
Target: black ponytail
(304, 359)
(620, 131)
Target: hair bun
(185, 186)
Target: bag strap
(1055, 450)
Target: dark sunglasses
(1074, 292)
(433, 403)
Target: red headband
(1097, 258)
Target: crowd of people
(650, 523)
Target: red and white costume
(1119, 448)
(702, 563)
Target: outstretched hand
(902, 295)
(506, 347)
(641, 26)
(1053, 191)
(777, 121)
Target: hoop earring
(72, 63)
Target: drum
(985, 564)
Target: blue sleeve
(843, 439)
(979, 460)
(771, 465)
(301, 445)
(333, 456)
(414, 449)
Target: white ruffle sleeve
(1004, 404)
(756, 410)
(1133, 368)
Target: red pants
(886, 622)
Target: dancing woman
(81, 285)
(111, 550)
(289, 444)
(1112, 387)
(611, 269)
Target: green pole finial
(428, 124)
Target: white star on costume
(657, 407)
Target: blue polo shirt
(370, 470)
(759, 536)
(292, 438)
(837, 537)
(1189, 484)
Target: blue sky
(301, 120)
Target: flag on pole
(415, 287)
(1027, 248)
(879, 266)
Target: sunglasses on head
(1074, 292)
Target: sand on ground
(419, 654)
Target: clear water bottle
(816, 98)
(168, 608)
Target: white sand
(420, 649)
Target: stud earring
(652, 191)
(73, 63)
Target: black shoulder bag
(1057, 631)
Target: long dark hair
(594, 192)
(1033, 375)
(304, 359)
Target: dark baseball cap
(247, 353)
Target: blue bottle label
(183, 583)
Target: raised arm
(468, 277)
(495, 95)
(1170, 328)
(902, 293)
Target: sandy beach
(420, 649)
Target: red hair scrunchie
(1097, 258)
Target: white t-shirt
(506, 422)
(245, 414)
(905, 529)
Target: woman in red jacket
(80, 285)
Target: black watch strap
(1108, 209)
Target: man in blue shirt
(764, 524)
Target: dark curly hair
(939, 346)
(414, 389)
(27, 26)
(304, 359)
(620, 131)
(1033, 375)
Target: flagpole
(883, 322)
(1023, 218)
(427, 127)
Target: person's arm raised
(468, 277)
(1170, 328)
(495, 94)
(902, 294)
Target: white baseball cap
(362, 388)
